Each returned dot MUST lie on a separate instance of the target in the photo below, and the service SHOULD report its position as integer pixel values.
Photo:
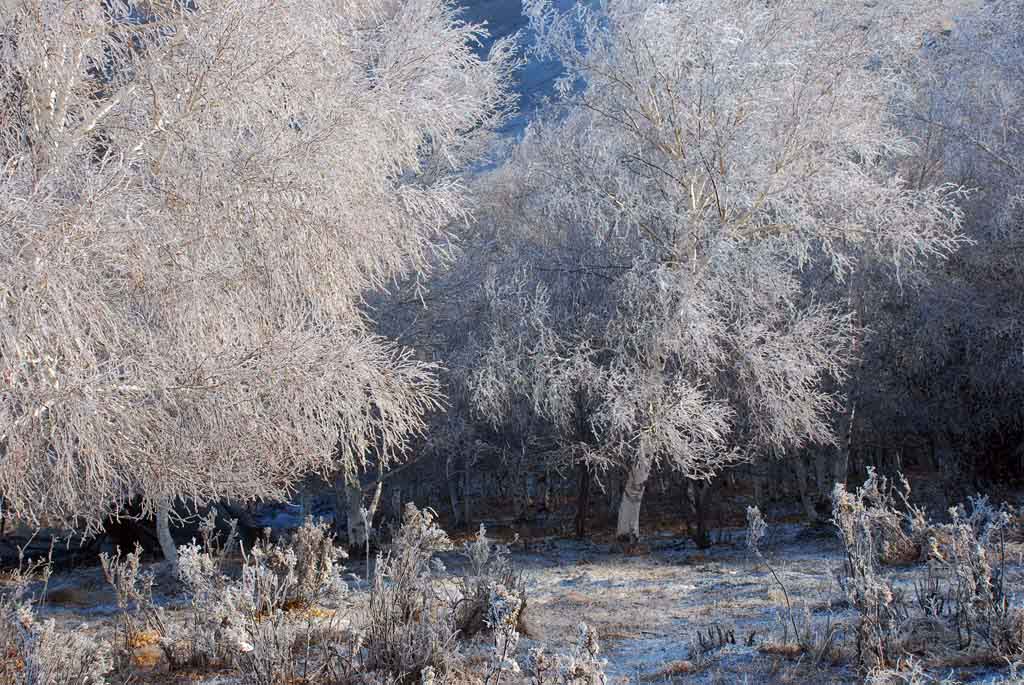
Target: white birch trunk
(163, 533)
(358, 525)
(632, 497)
(357, 528)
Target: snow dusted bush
(245, 620)
(52, 657)
(489, 569)
(880, 516)
(211, 634)
(503, 619)
(871, 529)
(581, 666)
(34, 652)
(316, 562)
(968, 557)
(297, 574)
(408, 627)
(278, 579)
(139, 619)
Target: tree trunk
(358, 525)
(360, 518)
(841, 466)
(163, 533)
(458, 517)
(583, 500)
(348, 497)
(807, 498)
(458, 513)
(697, 493)
(632, 497)
(467, 512)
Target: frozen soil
(665, 612)
(671, 613)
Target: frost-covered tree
(663, 220)
(195, 198)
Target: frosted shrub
(865, 519)
(582, 666)
(757, 529)
(962, 602)
(970, 555)
(408, 627)
(503, 620)
(880, 514)
(36, 653)
(316, 557)
(245, 620)
(133, 589)
(271, 655)
(299, 573)
(210, 635)
(489, 569)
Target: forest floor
(665, 612)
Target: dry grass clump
(801, 636)
(881, 516)
(961, 609)
(679, 667)
(787, 650)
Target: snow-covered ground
(650, 608)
